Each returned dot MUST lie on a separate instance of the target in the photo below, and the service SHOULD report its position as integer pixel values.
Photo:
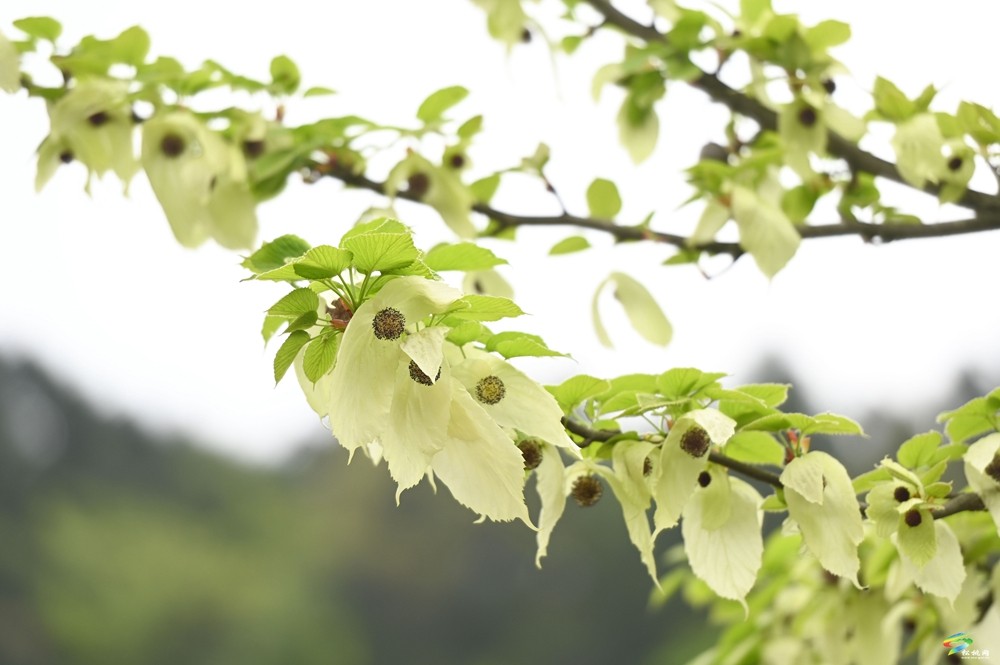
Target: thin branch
(748, 470)
(738, 102)
(865, 230)
(961, 503)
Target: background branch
(867, 231)
(738, 102)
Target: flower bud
(993, 468)
(807, 116)
(418, 184)
(913, 517)
(901, 494)
(704, 479)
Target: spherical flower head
(92, 123)
(388, 324)
(982, 470)
(695, 442)
(200, 181)
(514, 400)
(587, 490)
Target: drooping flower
(200, 181)
(91, 123)
(722, 534)
(682, 458)
(822, 503)
(379, 343)
(480, 464)
(512, 399)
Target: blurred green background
(121, 547)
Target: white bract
(10, 66)
(514, 401)
(200, 181)
(364, 378)
(978, 457)
(822, 502)
(722, 535)
(682, 458)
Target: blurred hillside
(120, 547)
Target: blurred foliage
(120, 547)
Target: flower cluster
(402, 392)
(199, 176)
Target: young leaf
(569, 245)
(918, 450)
(765, 231)
(323, 261)
(320, 354)
(432, 108)
(285, 77)
(603, 199)
(461, 256)
(40, 27)
(276, 253)
(485, 308)
(642, 309)
(287, 352)
(295, 304)
(381, 251)
(575, 390)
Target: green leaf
(918, 450)
(679, 382)
(603, 199)
(569, 245)
(977, 416)
(638, 132)
(755, 448)
(323, 261)
(485, 308)
(765, 231)
(304, 321)
(40, 27)
(381, 251)
(575, 390)
(642, 309)
(772, 394)
(826, 34)
(295, 304)
(271, 326)
(514, 344)
(287, 352)
(484, 188)
(432, 108)
(320, 354)
(285, 77)
(467, 331)
(461, 256)
(890, 101)
(276, 253)
(470, 127)
(866, 481)
(918, 143)
(798, 202)
(752, 10)
(318, 91)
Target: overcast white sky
(96, 289)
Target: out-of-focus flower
(200, 181)
(91, 123)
